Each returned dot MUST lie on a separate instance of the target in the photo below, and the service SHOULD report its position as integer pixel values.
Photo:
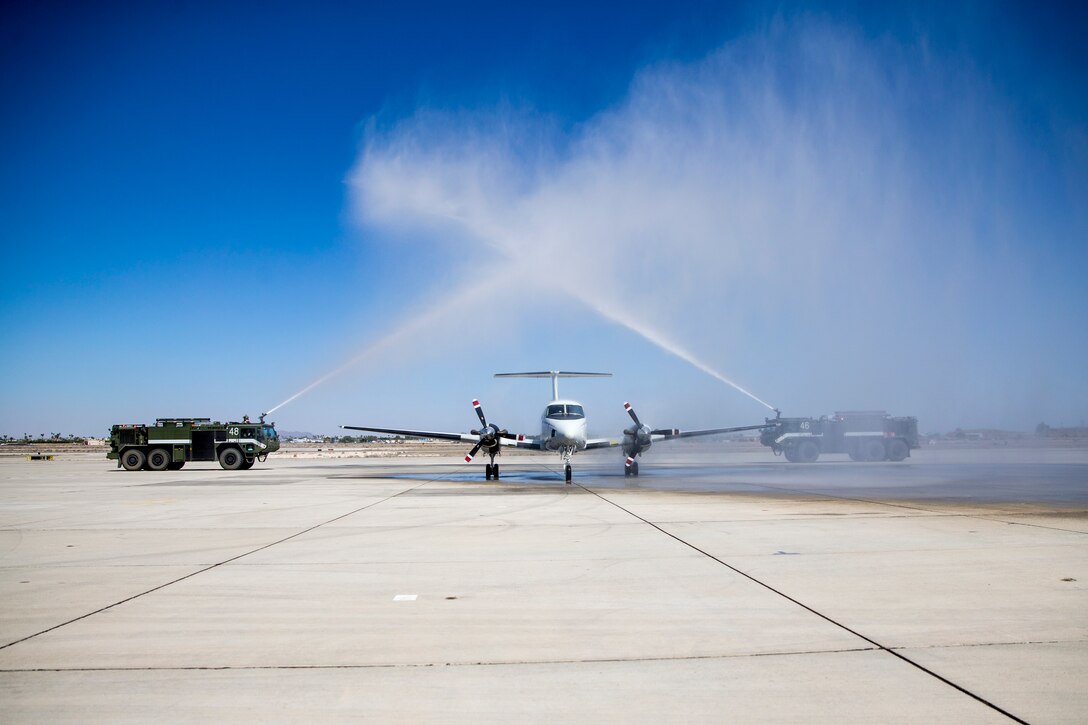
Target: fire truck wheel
(897, 450)
(175, 465)
(873, 450)
(807, 452)
(231, 459)
(158, 459)
(133, 459)
(246, 465)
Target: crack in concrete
(990, 644)
(1025, 523)
(814, 611)
(478, 663)
(207, 568)
(931, 512)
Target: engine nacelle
(489, 436)
(636, 440)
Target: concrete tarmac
(707, 590)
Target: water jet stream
(463, 299)
(661, 341)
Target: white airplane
(562, 429)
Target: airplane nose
(567, 430)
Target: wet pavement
(1063, 484)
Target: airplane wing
(507, 440)
(666, 434)
(469, 437)
(601, 443)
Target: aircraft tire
(133, 459)
(487, 471)
(231, 459)
(569, 474)
(634, 469)
(159, 459)
(495, 471)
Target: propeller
(472, 454)
(636, 439)
(489, 433)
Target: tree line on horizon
(43, 438)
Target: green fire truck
(172, 442)
(863, 435)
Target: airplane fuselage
(563, 426)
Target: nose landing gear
(567, 453)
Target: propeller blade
(629, 461)
(480, 412)
(631, 412)
(473, 452)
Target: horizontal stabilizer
(553, 373)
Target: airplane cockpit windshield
(563, 411)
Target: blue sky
(207, 208)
